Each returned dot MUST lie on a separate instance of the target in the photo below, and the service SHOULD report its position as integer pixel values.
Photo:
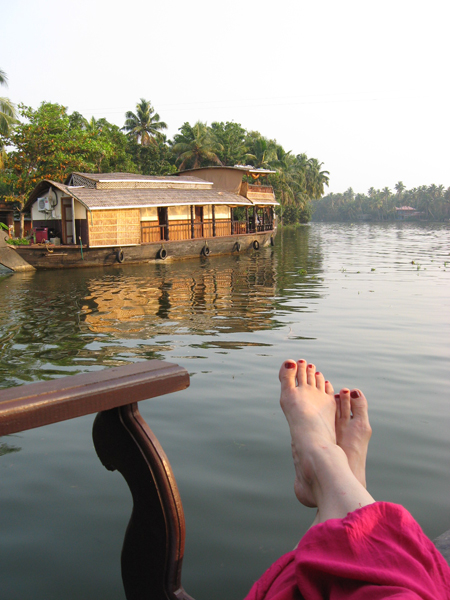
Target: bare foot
(311, 413)
(353, 430)
(323, 476)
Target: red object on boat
(41, 234)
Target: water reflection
(52, 323)
(231, 293)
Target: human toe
(320, 381)
(311, 375)
(287, 374)
(344, 405)
(359, 405)
(301, 372)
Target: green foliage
(195, 146)
(155, 159)
(293, 215)
(50, 144)
(144, 125)
(8, 118)
(231, 136)
(47, 146)
(18, 241)
(431, 202)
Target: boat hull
(46, 256)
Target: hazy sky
(362, 86)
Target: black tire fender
(237, 246)
(272, 241)
(120, 256)
(205, 251)
(162, 253)
(256, 244)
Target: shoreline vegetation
(50, 143)
(428, 203)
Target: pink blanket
(376, 552)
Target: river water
(368, 303)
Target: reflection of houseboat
(102, 219)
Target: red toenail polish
(289, 365)
(301, 361)
(310, 366)
(355, 394)
(336, 396)
(318, 373)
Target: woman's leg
(323, 474)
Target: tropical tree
(145, 125)
(399, 188)
(48, 146)
(261, 151)
(195, 146)
(231, 136)
(316, 179)
(7, 118)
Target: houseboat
(113, 218)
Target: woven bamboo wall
(115, 227)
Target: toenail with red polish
(310, 366)
(301, 361)
(336, 396)
(318, 373)
(289, 365)
(355, 394)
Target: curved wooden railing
(153, 548)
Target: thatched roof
(94, 199)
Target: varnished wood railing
(153, 548)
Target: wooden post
(232, 222)
(153, 548)
(192, 223)
(214, 220)
(254, 219)
(246, 220)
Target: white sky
(362, 86)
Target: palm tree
(399, 188)
(144, 126)
(7, 117)
(195, 146)
(262, 152)
(316, 180)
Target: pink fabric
(376, 552)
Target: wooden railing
(262, 189)
(196, 230)
(153, 548)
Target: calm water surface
(369, 304)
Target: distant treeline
(431, 203)
(50, 143)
